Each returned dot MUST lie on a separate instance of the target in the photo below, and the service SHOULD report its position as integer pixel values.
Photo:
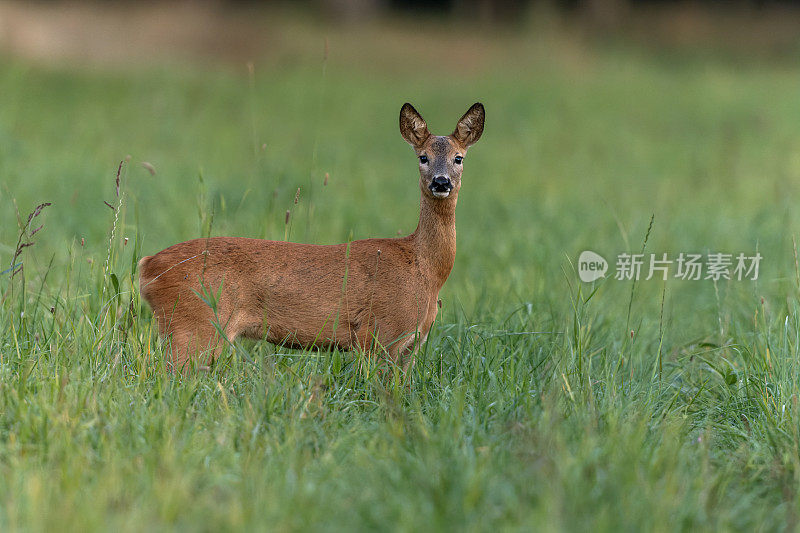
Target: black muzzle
(440, 184)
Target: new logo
(591, 266)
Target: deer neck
(435, 235)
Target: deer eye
(459, 159)
(423, 159)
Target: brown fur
(373, 293)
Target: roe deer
(373, 293)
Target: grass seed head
(116, 181)
(149, 167)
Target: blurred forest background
(112, 30)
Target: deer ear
(412, 126)
(470, 127)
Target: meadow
(539, 402)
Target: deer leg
(408, 354)
(393, 348)
(195, 342)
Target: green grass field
(538, 402)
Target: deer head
(441, 158)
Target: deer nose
(441, 184)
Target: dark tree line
(599, 11)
